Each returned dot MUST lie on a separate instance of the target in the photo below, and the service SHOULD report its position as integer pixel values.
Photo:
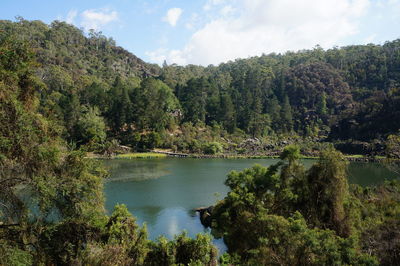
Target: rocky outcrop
(372, 148)
(205, 215)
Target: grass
(140, 155)
(309, 157)
(355, 156)
(151, 155)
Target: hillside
(62, 97)
(67, 47)
(99, 91)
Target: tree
(393, 153)
(193, 100)
(63, 184)
(212, 148)
(51, 198)
(156, 106)
(286, 115)
(71, 107)
(91, 127)
(120, 111)
(227, 112)
(182, 251)
(321, 107)
(274, 110)
(328, 193)
(259, 125)
(284, 214)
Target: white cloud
(193, 21)
(158, 55)
(261, 26)
(71, 16)
(171, 56)
(189, 26)
(212, 3)
(173, 16)
(97, 18)
(227, 10)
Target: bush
(212, 148)
(182, 251)
(10, 255)
(195, 146)
(91, 127)
(150, 141)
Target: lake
(163, 192)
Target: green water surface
(163, 192)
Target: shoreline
(160, 155)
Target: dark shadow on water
(367, 174)
(193, 213)
(135, 170)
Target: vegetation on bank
(140, 155)
(286, 215)
(51, 196)
(97, 93)
(144, 155)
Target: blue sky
(214, 31)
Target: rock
(205, 215)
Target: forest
(101, 95)
(64, 93)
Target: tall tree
(286, 115)
(119, 113)
(157, 106)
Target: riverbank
(275, 155)
(270, 155)
(134, 155)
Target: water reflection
(146, 214)
(173, 221)
(366, 174)
(135, 170)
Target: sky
(207, 32)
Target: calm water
(163, 192)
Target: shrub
(212, 148)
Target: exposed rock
(205, 215)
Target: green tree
(157, 107)
(91, 127)
(182, 251)
(284, 214)
(193, 100)
(328, 193)
(321, 107)
(120, 111)
(212, 148)
(286, 115)
(62, 185)
(393, 153)
(227, 113)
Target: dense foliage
(350, 95)
(286, 215)
(51, 198)
(61, 91)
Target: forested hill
(61, 47)
(100, 92)
(52, 206)
(349, 92)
